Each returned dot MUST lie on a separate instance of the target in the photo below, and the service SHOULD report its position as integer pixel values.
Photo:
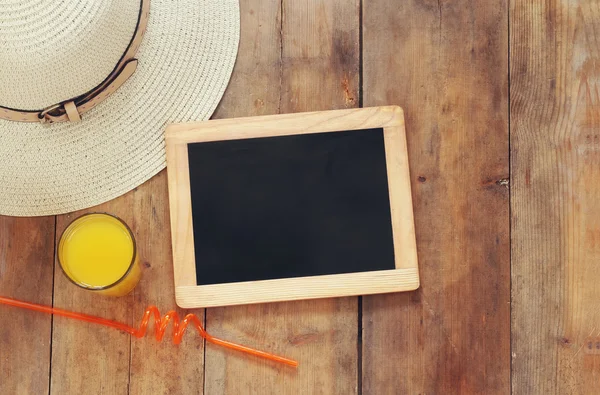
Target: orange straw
(160, 326)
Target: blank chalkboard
(290, 207)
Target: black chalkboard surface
(290, 206)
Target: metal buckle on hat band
(72, 109)
(64, 111)
(45, 115)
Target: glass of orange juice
(97, 252)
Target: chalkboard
(290, 207)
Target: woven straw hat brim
(185, 61)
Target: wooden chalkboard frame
(405, 277)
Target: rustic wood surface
(26, 272)
(449, 64)
(555, 147)
(507, 207)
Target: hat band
(71, 109)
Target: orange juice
(98, 252)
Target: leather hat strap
(72, 109)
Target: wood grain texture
(89, 358)
(402, 215)
(306, 61)
(26, 265)
(101, 360)
(300, 288)
(555, 147)
(285, 124)
(180, 208)
(445, 63)
(160, 368)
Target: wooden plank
(555, 155)
(102, 360)
(89, 358)
(26, 265)
(307, 61)
(160, 368)
(445, 63)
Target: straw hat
(87, 87)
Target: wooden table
(503, 121)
